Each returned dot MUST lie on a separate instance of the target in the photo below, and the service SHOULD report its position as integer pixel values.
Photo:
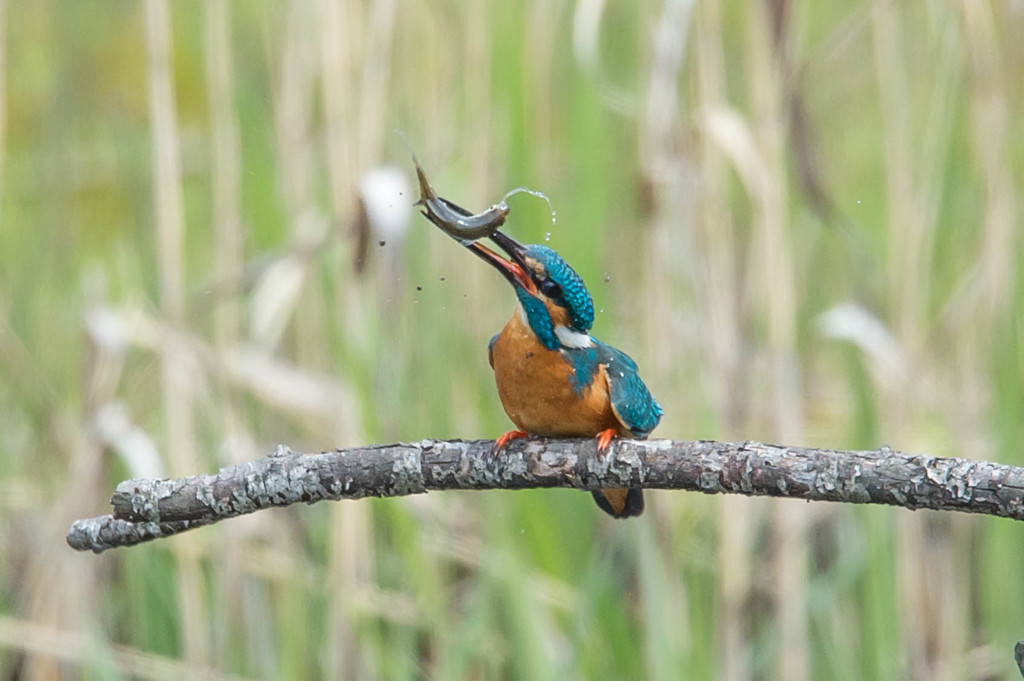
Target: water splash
(532, 192)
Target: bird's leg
(604, 438)
(500, 443)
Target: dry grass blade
(170, 228)
(79, 649)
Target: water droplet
(607, 277)
(547, 236)
(602, 310)
(531, 192)
(858, 202)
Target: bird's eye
(550, 289)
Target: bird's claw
(604, 439)
(500, 443)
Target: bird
(554, 379)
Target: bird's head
(553, 298)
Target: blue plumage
(574, 293)
(540, 320)
(632, 402)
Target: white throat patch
(521, 311)
(573, 339)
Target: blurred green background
(801, 219)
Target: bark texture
(148, 509)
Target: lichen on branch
(150, 509)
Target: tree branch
(149, 509)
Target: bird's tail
(620, 503)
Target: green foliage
(871, 156)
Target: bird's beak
(514, 268)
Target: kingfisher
(554, 379)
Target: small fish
(455, 220)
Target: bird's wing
(632, 402)
(490, 350)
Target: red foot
(604, 438)
(500, 443)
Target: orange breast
(535, 387)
